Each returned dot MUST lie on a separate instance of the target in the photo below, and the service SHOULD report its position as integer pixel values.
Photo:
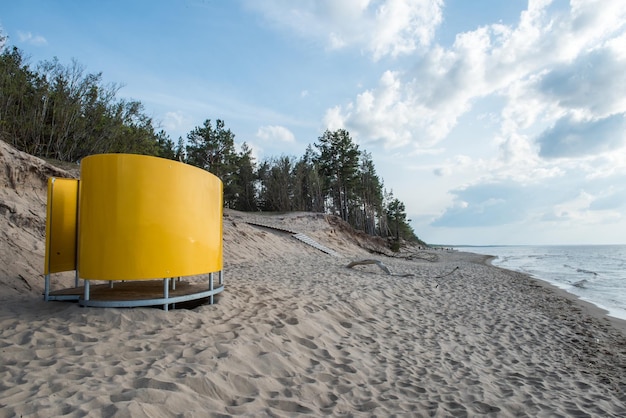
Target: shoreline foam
(590, 308)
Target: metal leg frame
(87, 286)
(48, 294)
(46, 288)
(165, 301)
(166, 292)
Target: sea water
(594, 273)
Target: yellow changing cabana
(135, 218)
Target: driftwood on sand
(379, 264)
(365, 262)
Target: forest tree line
(60, 112)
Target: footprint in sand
(289, 406)
(483, 408)
(307, 343)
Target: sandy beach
(296, 332)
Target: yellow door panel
(61, 224)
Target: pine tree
(338, 164)
(370, 195)
(213, 149)
(276, 193)
(245, 180)
(307, 182)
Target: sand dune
(296, 332)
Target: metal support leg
(110, 284)
(173, 280)
(86, 295)
(76, 278)
(166, 292)
(221, 277)
(211, 287)
(46, 288)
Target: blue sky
(495, 122)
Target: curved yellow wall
(146, 217)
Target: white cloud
(402, 25)
(382, 28)
(613, 198)
(275, 133)
(580, 138)
(580, 209)
(381, 114)
(333, 119)
(594, 83)
(173, 121)
(29, 38)
(420, 107)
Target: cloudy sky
(495, 122)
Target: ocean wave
(579, 270)
(586, 271)
(595, 273)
